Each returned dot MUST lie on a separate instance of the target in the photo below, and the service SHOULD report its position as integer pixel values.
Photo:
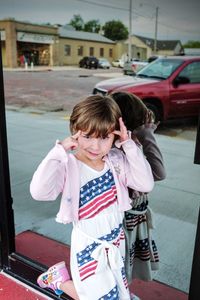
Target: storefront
(26, 43)
(33, 48)
(12, 260)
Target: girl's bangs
(100, 129)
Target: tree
(77, 22)
(115, 30)
(192, 44)
(92, 26)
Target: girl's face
(94, 148)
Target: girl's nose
(95, 143)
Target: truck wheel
(155, 111)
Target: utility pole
(156, 32)
(130, 31)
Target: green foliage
(115, 30)
(92, 26)
(192, 44)
(77, 22)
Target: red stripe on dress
(95, 200)
(96, 205)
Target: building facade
(25, 43)
(35, 44)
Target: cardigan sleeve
(137, 171)
(49, 178)
(146, 137)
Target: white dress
(98, 241)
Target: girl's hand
(122, 133)
(71, 143)
(150, 119)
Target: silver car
(104, 63)
(133, 66)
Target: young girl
(93, 178)
(141, 251)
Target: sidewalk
(175, 201)
(11, 288)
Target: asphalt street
(60, 88)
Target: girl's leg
(68, 288)
(58, 279)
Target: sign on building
(35, 38)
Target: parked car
(119, 63)
(89, 62)
(133, 66)
(169, 86)
(104, 63)
(154, 57)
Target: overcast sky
(177, 19)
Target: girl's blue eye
(86, 136)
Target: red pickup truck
(169, 86)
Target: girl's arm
(138, 171)
(48, 180)
(146, 137)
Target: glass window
(80, 50)
(101, 52)
(192, 72)
(160, 68)
(91, 51)
(110, 52)
(67, 50)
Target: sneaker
(56, 274)
(134, 297)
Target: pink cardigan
(59, 173)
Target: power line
(138, 14)
(103, 5)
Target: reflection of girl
(93, 181)
(141, 251)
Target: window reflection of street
(58, 90)
(183, 128)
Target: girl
(93, 180)
(141, 251)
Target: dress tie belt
(105, 253)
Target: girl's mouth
(93, 153)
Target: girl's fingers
(157, 123)
(117, 132)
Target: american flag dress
(98, 241)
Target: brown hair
(97, 115)
(133, 110)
